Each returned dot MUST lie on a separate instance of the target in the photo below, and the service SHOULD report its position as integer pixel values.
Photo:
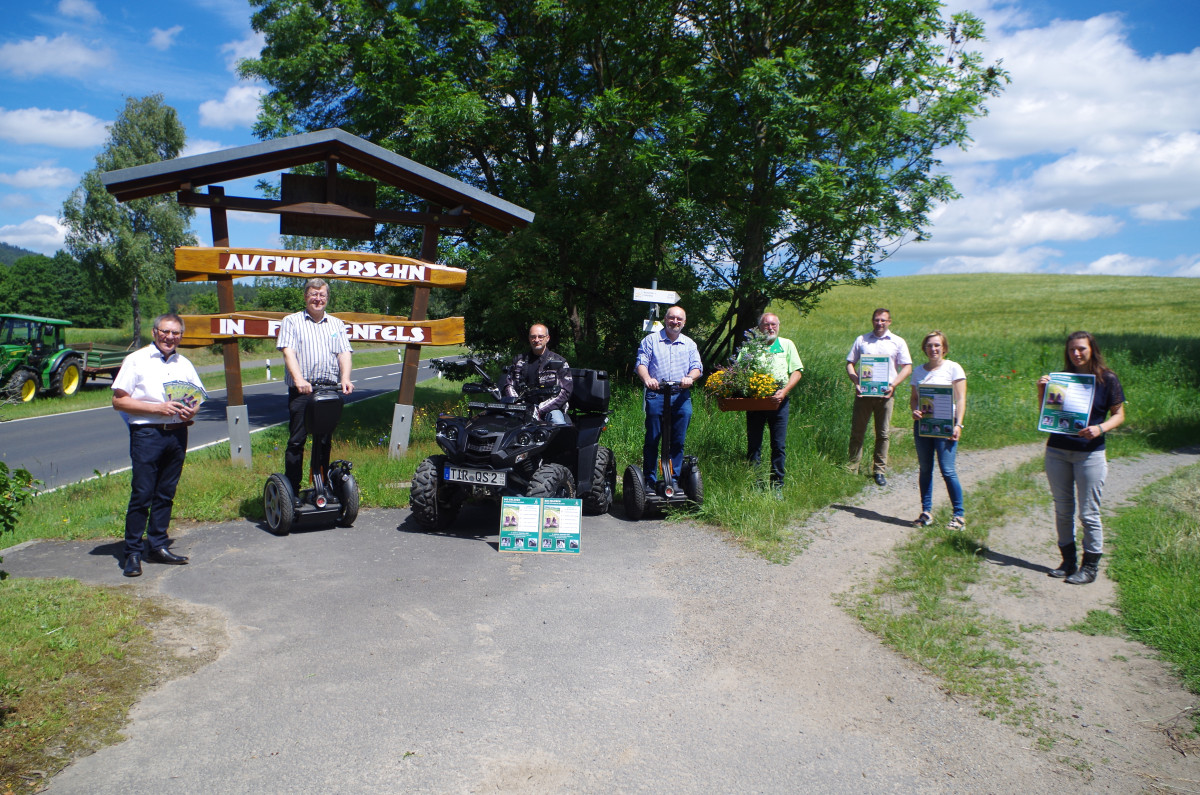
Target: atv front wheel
(432, 502)
(604, 484)
(552, 480)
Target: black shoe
(133, 565)
(1069, 565)
(165, 555)
(1087, 570)
(880, 480)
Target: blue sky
(1089, 162)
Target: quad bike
(684, 490)
(500, 449)
(334, 496)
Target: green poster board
(536, 524)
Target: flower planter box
(748, 404)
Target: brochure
(536, 524)
(1067, 404)
(937, 405)
(874, 375)
(185, 392)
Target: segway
(684, 489)
(333, 498)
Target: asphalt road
(60, 449)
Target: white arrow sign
(655, 296)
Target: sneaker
(956, 523)
(924, 520)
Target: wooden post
(402, 414)
(236, 415)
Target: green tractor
(36, 358)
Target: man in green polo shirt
(787, 368)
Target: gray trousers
(864, 409)
(1070, 474)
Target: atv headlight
(524, 439)
(450, 432)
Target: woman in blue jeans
(1076, 463)
(939, 371)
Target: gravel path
(662, 659)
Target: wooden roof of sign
(184, 174)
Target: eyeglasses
(166, 333)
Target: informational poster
(185, 392)
(936, 404)
(1067, 403)
(535, 524)
(874, 375)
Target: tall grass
(1156, 556)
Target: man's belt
(162, 426)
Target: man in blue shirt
(667, 355)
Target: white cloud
(1091, 140)
(79, 9)
(163, 40)
(200, 146)
(238, 108)
(65, 128)
(65, 56)
(1011, 260)
(249, 47)
(40, 177)
(43, 233)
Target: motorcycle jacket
(531, 372)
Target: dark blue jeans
(157, 457)
(681, 405)
(946, 451)
(776, 422)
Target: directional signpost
(653, 295)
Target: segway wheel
(634, 493)
(279, 505)
(693, 486)
(349, 498)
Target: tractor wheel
(349, 499)
(279, 505)
(634, 493)
(23, 385)
(432, 501)
(67, 378)
(604, 484)
(552, 480)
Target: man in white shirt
(315, 347)
(880, 342)
(157, 440)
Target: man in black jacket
(534, 370)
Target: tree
(814, 156)
(129, 248)
(543, 104)
(53, 287)
(771, 146)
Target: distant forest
(10, 254)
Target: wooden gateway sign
(206, 329)
(200, 263)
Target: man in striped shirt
(315, 348)
(667, 355)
